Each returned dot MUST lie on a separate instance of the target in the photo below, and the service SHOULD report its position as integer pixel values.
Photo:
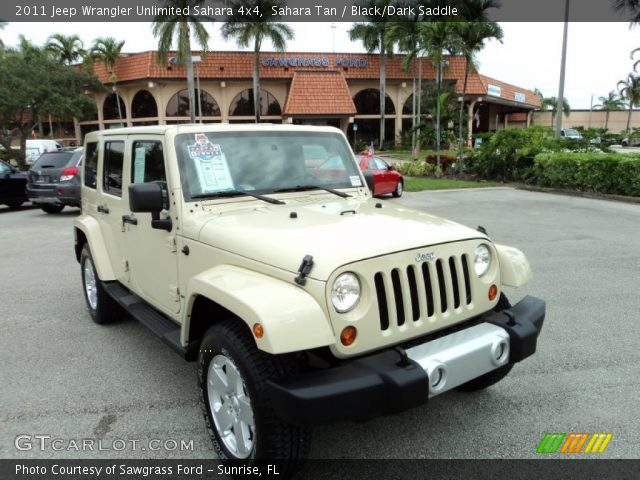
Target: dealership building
(335, 89)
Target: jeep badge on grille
(425, 257)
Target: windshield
(264, 162)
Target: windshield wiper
(238, 193)
(302, 188)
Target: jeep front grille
(422, 291)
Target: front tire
(102, 308)
(52, 208)
(232, 378)
(399, 189)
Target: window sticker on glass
(355, 181)
(138, 165)
(210, 164)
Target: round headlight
(345, 292)
(482, 259)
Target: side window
(113, 161)
(147, 164)
(382, 165)
(4, 169)
(91, 165)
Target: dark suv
(12, 186)
(54, 180)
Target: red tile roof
(330, 94)
(239, 65)
(508, 91)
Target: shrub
(509, 153)
(590, 172)
(415, 169)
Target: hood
(335, 233)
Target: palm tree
(373, 35)
(405, 34)
(66, 49)
(551, 104)
(632, 6)
(168, 26)
(630, 90)
(2, 25)
(28, 49)
(249, 25)
(437, 39)
(612, 101)
(472, 35)
(108, 49)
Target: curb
(576, 193)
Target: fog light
(436, 378)
(500, 353)
(493, 292)
(348, 336)
(258, 331)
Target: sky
(598, 54)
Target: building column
(224, 107)
(128, 118)
(344, 124)
(398, 129)
(76, 131)
(99, 102)
(472, 104)
(529, 118)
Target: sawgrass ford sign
(294, 61)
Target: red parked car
(385, 177)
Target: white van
(37, 147)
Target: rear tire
(102, 308)
(232, 378)
(52, 208)
(496, 375)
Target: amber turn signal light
(258, 331)
(493, 292)
(348, 336)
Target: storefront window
(110, 107)
(144, 105)
(368, 102)
(178, 105)
(242, 104)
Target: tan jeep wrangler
(258, 251)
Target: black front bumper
(387, 381)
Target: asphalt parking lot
(66, 377)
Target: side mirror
(147, 198)
(368, 177)
(391, 168)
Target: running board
(160, 325)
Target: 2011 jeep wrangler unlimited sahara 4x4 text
(302, 299)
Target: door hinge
(174, 291)
(171, 244)
(125, 265)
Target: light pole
(333, 37)
(562, 69)
(197, 59)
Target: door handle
(129, 219)
(102, 209)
